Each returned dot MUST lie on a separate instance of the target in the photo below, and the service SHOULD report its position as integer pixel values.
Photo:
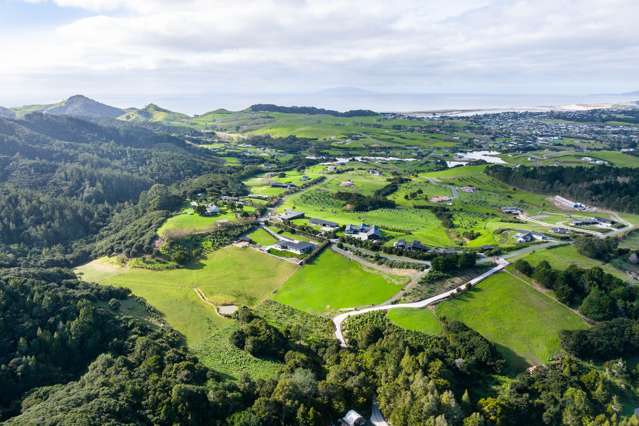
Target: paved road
(339, 319)
(377, 419)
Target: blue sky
(200, 53)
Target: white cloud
(294, 44)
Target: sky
(195, 55)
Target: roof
(291, 215)
(293, 245)
(352, 418)
(324, 223)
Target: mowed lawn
(564, 256)
(331, 282)
(190, 222)
(422, 320)
(524, 323)
(229, 275)
(262, 238)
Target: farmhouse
(324, 224)
(511, 210)
(290, 215)
(347, 184)
(212, 210)
(527, 237)
(468, 189)
(364, 232)
(440, 199)
(297, 247)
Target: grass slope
(523, 322)
(564, 256)
(422, 320)
(189, 222)
(229, 275)
(332, 282)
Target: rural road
(339, 319)
(377, 419)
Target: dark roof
(292, 245)
(324, 223)
(291, 215)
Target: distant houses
(468, 189)
(364, 232)
(283, 185)
(297, 247)
(594, 221)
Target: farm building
(413, 245)
(290, 215)
(566, 203)
(324, 224)
(511, 210)
(212, 210)
(346, 184)
(297, 247)
(526, 237)
(364, 232)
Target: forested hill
(64, 179)
(602, 186)
(310, 110)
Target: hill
(76, 106)
(152, 113)
(7, 113)
(309, 110)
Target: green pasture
(422, 320)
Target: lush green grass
(261, 237)
(631, 241)
(230, 275)
(190, 222)
(331, 282)
(422, 320)
(523, 322)
(564, 256)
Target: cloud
(423, 45)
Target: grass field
(331, 282)
(631, 241)
(190, 222)
(262, 238)
(422, 320)
(229, 275)
(523, 322)
(564, 256)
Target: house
(374, 234)
(558, 230)
(416, 245)
(324, 224)
(212, 210)
(347, 184)
(305, 178)
(400, 244)
(440, 199)
(283, 185)
(526, 237)
(511, 210)
(194, 204)
(604, 222)
(290, 215)
(297, 247)
(374, 172)
(352, 418)
(364, 232)
(585, 222)
(468, 189)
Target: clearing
(331, 282)
(522, 322)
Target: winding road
(339, 319)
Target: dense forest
(65, 180)
(603, 186)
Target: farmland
(189, 222)
(331, 282)
(230, 275)
(422, 320)
(564, 256)
(523, 322)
